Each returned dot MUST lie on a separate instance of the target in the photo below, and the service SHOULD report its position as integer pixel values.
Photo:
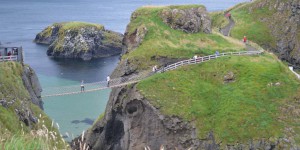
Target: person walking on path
(82, 86)
(228, 15)
(107, 80)
(217, 53)
(154, 69)
(245, 39)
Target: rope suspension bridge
(122, 81)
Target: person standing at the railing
(9, 55)
(108, 80)
(82, 86)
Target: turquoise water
(74, 113)
(21, 20)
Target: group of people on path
(82, 83)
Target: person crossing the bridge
(107, 80)
(82, 86)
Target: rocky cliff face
(32, 84)
(20, 96)
(284, 25)
(189, 20)
(131, 122)
(80, 40)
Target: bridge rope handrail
(121, 81)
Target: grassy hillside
(162, 41)
(218, 20)
(250, 21)
(252, 107)
(251, 24)
(247, 108)
(14, 134)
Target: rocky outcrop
(132, 40)
(131, 122)
(190, 20)
(284, 24)
(80, 40)
(32, 84)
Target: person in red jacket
(245, 39)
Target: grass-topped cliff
(270, 23)
(23, 125)
(250, 107)
(163, 41)
(80, 40)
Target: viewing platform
(11, 54)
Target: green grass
(236, 112)
(78, 25)
(250, 24)
(218, 20)
(13, 132)
(24, 143)
(65, 26)
(163, 41)
(112, 39)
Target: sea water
(21, 20)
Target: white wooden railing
(292, 69)
(204, 59)
(8, 58)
